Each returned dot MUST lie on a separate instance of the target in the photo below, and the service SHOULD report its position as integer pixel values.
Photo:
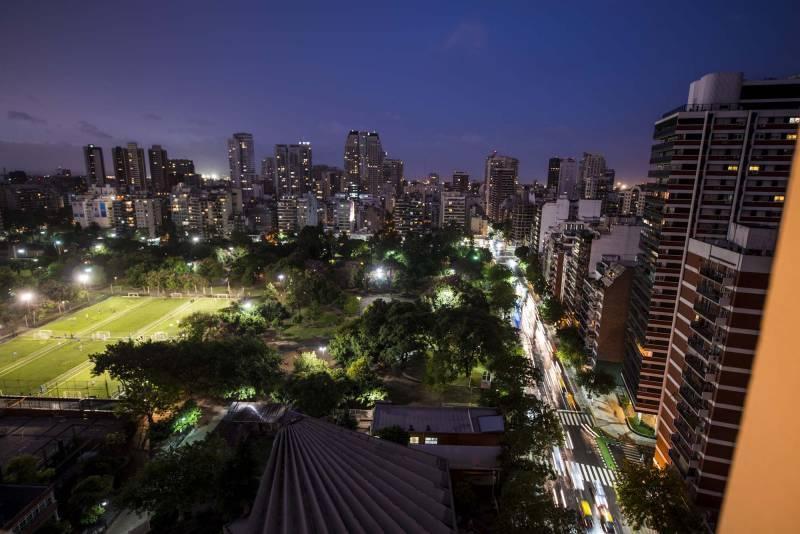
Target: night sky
(443, 84)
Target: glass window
(413, 440)
(431, 441)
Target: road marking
(590, 472)
(572, 418)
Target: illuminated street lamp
(26, 297)
(248, 305)
(322, 349)
(281, 277)
(196, 239)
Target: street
(583, 482)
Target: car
(586, 514)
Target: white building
(453, 209)
(96, 206)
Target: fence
(102, 388)
(55, 403)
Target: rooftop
(324, 478)
(445, 419)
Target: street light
(248, 305)
(281, 277)
(26, 297)
(195, 239)
(322, 349)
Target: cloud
(26, 117)
(467, 35)
(90, 129)
(151, 117)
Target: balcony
(696, 364)
(703, 328)
(712, 273)
(693, 399)
(709, 311)
(688, 415)
(709, 291)
(697, 343)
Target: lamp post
(27, 298)
(83, 279)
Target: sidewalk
(610, 418)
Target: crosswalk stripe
(591, 473)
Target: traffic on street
(583, 482)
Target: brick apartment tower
(721, 159)
(722, 166)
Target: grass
(640, 428)
(62, 362)
(404, 391)
(605, 452)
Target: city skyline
(427, 98)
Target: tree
(596, 381)
(571, 348)
(394, 433)
(147, 388)
(87, 498)
(522, 252)
(316, 393)
(551, 310)
(656, 498)
(526, 506)
(179, 481)
(24, 469)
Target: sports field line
(50, 348)
(66, 375)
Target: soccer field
(53, 359)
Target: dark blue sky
(443, 83)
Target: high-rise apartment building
(242, 160)
(293, 169)
(726, 160)
(392, 178)
(159, 169)
(453, 209)
(177, 171)
(591, 169)
(460, 181)
(501, 178)
(363, 161)
(95, 168)
(130, 172)
(568, 178)
(553, 173)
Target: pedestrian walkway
(631, 452)
(592, 473)
(573, 418)
(610, 418)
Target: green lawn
(27, 363)
(640, 428)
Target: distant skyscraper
(95, 168)
(242, 160)
(500, 183)
(129, 168)
(158, 168)
(363, 161)
(592, 167)
(268, 170)
(293, 170)
(392, 177)
(460, 181)
(177, 170)
(568, 178)
(553, 172)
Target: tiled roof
(322, 478)
(446, 419)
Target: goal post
(101, 335)
(132, 294)
(176, 295)
(43, 334)
(159, 336)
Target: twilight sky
(443, 83)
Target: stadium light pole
(27, 298)
(83, 279)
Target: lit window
(791, 137)
(794, 120)
(754, 168)
(413, 440)
(431, 441)
(778, 198)
(733, 167)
